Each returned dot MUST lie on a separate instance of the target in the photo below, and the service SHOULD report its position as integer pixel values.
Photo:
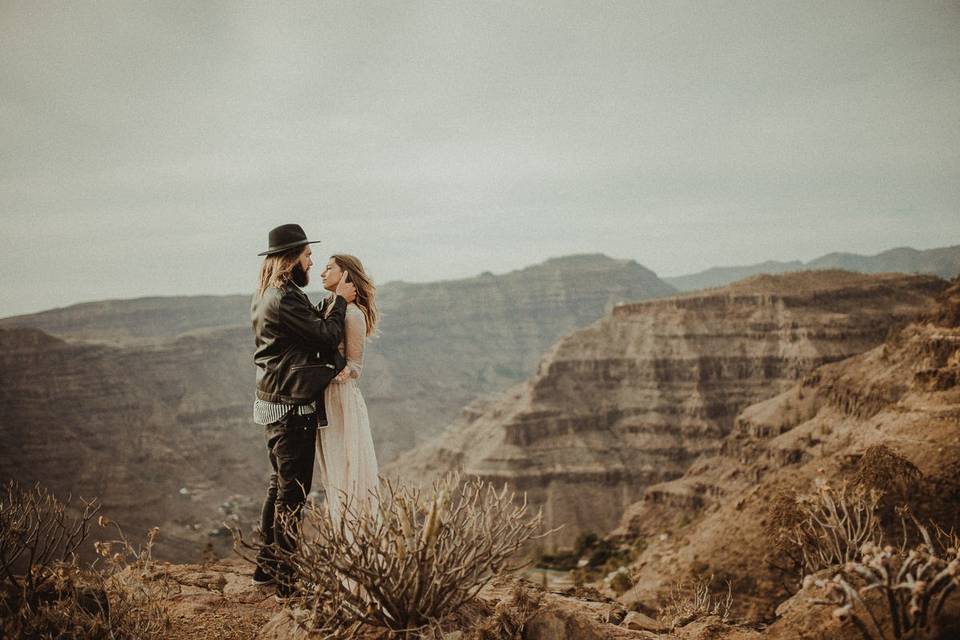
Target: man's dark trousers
(291, 444)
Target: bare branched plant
(689, 600)
(407, 564)
(890, 595)
(45, 593)
(835, 523)
(37, 534)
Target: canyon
(636, 398)
(715, 520)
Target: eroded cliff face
(635, 398)
(903, 394)
(444, 344)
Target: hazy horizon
(147, 149)
(315, 287)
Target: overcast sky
(148, 148)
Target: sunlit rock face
(636, 397)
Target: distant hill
(943, 262)
(133, 426)
(138, 319)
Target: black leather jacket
(297, 349)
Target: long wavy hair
(366, 291)
(277, 269)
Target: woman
(348, 462)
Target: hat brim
(287, 247)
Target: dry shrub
(510, 616)
(897, 479)
(946, 312)
(883, 469)
(408, 565)
(47, 594)
(892, 594)
(836, 523)
(779, 527)
(828, 527)
(621, 581)
(691, 600)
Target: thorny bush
(835, 523)
(895, 594)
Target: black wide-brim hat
(286, 237)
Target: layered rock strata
(635, 398)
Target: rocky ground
(217, 602)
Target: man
(296, 356)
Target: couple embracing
(308, 359)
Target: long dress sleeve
(356, 336)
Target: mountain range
(943, 262)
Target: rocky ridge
(216, 601)
(634, 399)
(903, 394)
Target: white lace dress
(348, 462)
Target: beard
(300, 277)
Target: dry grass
(691, 600)
(509, 617)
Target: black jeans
(291, 444)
